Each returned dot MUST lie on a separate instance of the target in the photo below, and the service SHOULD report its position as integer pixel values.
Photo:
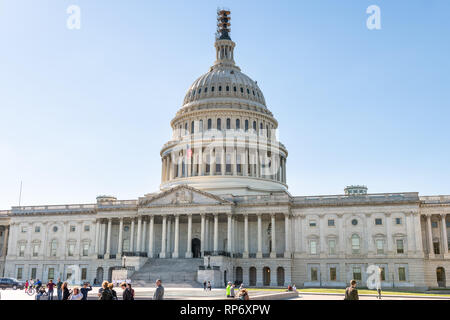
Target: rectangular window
(37, 229)
(332, 246)
(333, 274)
(19, 273)
(51, 273)
(401, 274)
(72, 228)
(357, 273)
(378, 221)
(398, 220)
(400, 248)
(53, 246)
(87, 228)
(380, 246)
(71, 250)
(313, 247)
(312, 223)
(23, 229)
(83, 273)
(33, 273)
(35, 250)
(436, 247)
(382, 274)
(22, 250)
(314, 276)
(331, 223)
(85, 249)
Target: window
(209, 124)
(434, 224)
(37, 229)
(228, 88)
(314, 275)
(378, 221)
(126, 245)
(234, 89)
(206, 89)
(242, 90)
(55, 229)
(33, 273)
(23, 229)
(228, 163)
(380, 246)
(85, 249)
(400, 246)
(21, 250)
(332, 246)
(228, 124)
(219, 124)
(51, 273)
(192, 127)
(331, 222)
(238, 124)
(333, 274)
(72, 228)
(35, 250)
(71, 250)
(19, 273)
(382, 274)
(254, 125)
(212, 89)
(398, 220)
(220, 88)
(313, 247)
(354, 222)
(313, 223)
(87, 228)
(401, 274)
(357, 273)
(356, 246)
(246, 125)
(436, 247)
(448, 224)
(83, 273)
(53, 246)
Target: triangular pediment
(182, 195)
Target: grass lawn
(366, 291)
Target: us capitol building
(223, 212)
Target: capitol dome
(224, 135)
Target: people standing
(232, 291)
(113, 292)
(104, 292)
(351, 293)
(159, 292)
(76, 294)
(243, 294)
(26, 285)
(58, 288)
(65, 291)
(85, 290)
(228, 290)
(127, 294)
(204, 285)
(50, 286)
(209, 285)
(131, 289)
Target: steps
(172, 272)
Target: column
(162, 254)
(163, 169)
(5, 242)
(172, 167)
(189, 237)
(444, 234)
(223, 160)
(342, 242)
(287, 237)
(212, 162)
(259, 252)
(216, 233)
(144, 233)
(430, 238)
(202, 234)
(410, 239)
(389, 233)
(175, 253)
(151, 237)
(200, 162)
(108, 239)
(245, 254)
(418, 233)
(370, 249)
(138, 239)
(132, 235)
(169, 235)
(119, 248)
(273, 252)
(234, 161)
(97, 239)
(229, 233)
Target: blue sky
(85, 112)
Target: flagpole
(20, 192)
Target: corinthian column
(119, 248)
(162, 254)
(175, 253)
(259, 252)
(189, 237)
(444, 234)
(273, 253)
(245, 254)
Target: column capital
(245, 214)
(387, 214)
(287, 214)
(273, 214)
(259, 214)
(215, 214)
(443, 215)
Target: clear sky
(86, 112)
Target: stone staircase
(172, 272)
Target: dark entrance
(196, 248)
(440, 276)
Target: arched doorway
(266, 276)
(239, 276)
(99, 277)
(252, 279)
(280, 276)
(196, 248)
(440, 276)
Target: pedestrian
(294, 288)
(100, 291)
(241, 286)
(159, 292)
(85, 290)
(209, 285)
(127, 294)
(26, 285)
(243, 294)
(76, 294)
(50, 286)
(228, 290)
(351, 293)
(131, 289)
(232, 291)
(113, 292)
(40, 292)
(204, 285)
(105, 292)
(65, 291)
(58, 288)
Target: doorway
(440, 276)
(196, 248)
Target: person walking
(65, 291)
(209, 285)
(131, 289)
(85, 290)
(26, 285)
(76, 294)
(351, 293)
(50, 286)
(58, 289)
(104, 292)
(228, 290)
(159, 292)
(127, 294)
(204, 285)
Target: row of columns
(204, 235)
(443, 235)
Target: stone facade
(223, 197)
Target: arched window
(228, 124)
(219, 124)
(238, 124)
(254, 125)
(248, 91)
(356, 244)
(206, 89)
(234, 89)
(242, 90)
(220, 88)
(185, 128)
(267, 129)
(192, 127)
(246, 125)
(212, 89)
(209, 124)
(228, 88)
